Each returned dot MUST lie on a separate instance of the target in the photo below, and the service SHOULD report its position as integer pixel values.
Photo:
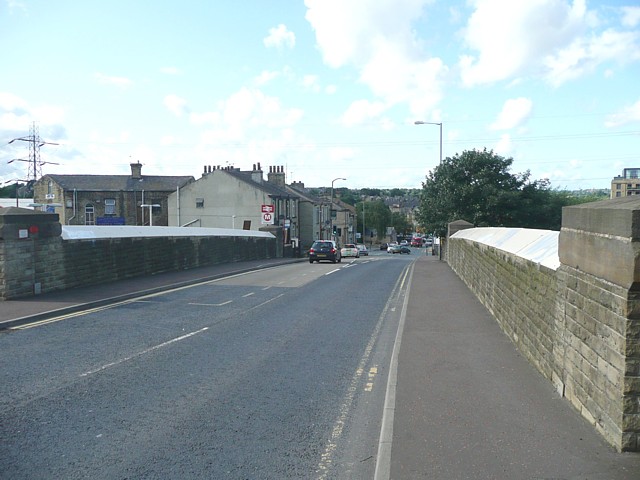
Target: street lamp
(331, 206)
(420, 122)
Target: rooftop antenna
(35, 163)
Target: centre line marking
(143, 352)
(248, 294)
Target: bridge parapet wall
(570, 302)
(38, 255)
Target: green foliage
(348, 196)
(376, 216)
(400, 223)
(476, 186)
(10, 190)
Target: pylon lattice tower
(35, 163)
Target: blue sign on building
(110, 221)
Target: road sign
(267, 219)
(268, 209)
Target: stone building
(230, 198)
(626, 184)
(134, 199)
(314, 213)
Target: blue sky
(324, 88)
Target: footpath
(467, 405)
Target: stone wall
(577, 322)
(520, 294)
(37, 262)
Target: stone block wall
(520, 294)
(38, 260)
(579, 324)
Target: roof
(116, 183)
(271, 189)
(305, 196)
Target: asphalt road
(279, 373)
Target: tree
(376, 216)
(476, 186)
(400, 223)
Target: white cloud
(16, 5)
(280, 37)
(585, 54)
(630, 16)
(514, 113)
(252, 107)
(120, 82)
(12, 103)
(266, 77)
(310, 82)
(511, 38)
(555, 39)
(378, 39)
(504, 146)
(629, 114)
(176, 105)
(362, 111)
(49, 114)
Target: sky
(326, 89)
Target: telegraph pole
(35, 163)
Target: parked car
(362, 248)
(324, 250)
(394, 248)
(404, 249)
(350, 250)
(404, 243)
(428, 242)
(416, 242)
(383, 246)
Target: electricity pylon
(35, 163)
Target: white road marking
(211, 304)
(248, 294)
(143, 352)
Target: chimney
(256, 174)
(276, 176)
(136, 171)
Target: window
(618, 186)
(199, 202)
(50, 188)
(110, 206)
(89, 215)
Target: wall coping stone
(84, 232)
(538, 246)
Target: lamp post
(331, 206)
(420, 122)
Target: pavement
(465, 404)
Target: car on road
(416, 242)
(324, 250)
(384, 246)
(394, 248)
(350, 250)
(362, 248)
(404, 249)
(428, 242)
(404, 243)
